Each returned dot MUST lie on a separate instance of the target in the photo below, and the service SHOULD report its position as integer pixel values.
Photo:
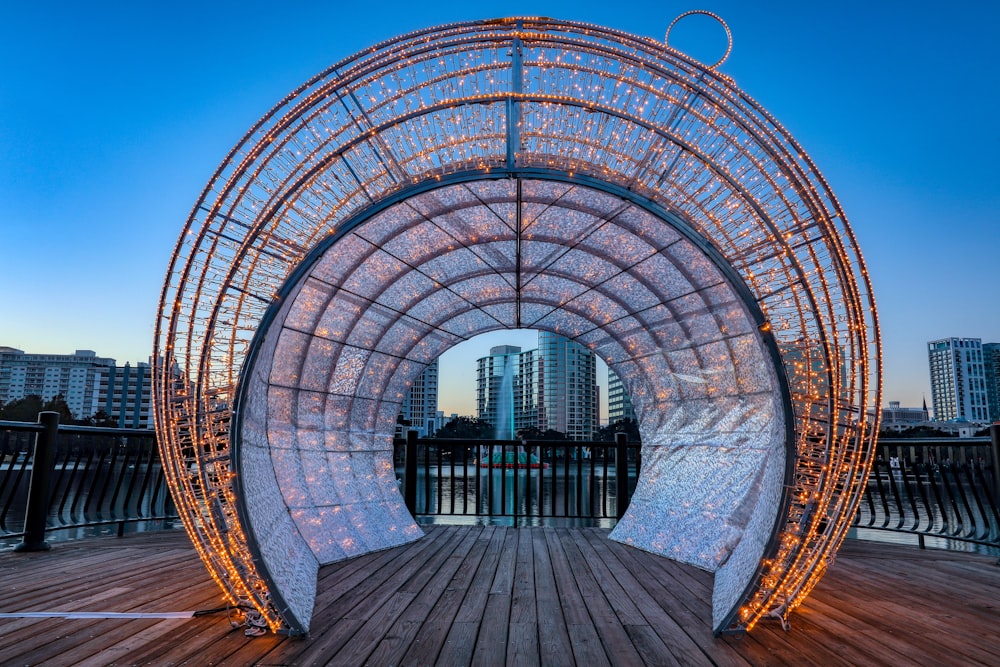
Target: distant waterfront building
(569, 399)
(619, 402)
(420, 405)
(126, 393)
(89, 384)
(553, 387)
(496, 375)
(77, 377)
(958, 379)
(895, 418)
(991, 362)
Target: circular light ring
(725, 26)
(522, 95)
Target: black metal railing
(57, 477)
(939, 488)
(944, 488)
(520, 483)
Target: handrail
(96, 476)
(930, 488)
(944, 488)
(517, 482)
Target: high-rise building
(958, 379)
(619, 401)
(420, 405)
(89, 384)
(567, 387)
(76, 377)
(553, 387)
(126, 394)
(497, 399)
(991, 362)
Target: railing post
(621, 475)
(995, 442)
(410, 473)
(38, 487)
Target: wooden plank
(554, 647)
(522, 605)
(379, 605)
(471, 609)
(522, 646)
(617, 644)
(433, 633)
(403, 631)
(491, 643)
(584, 640)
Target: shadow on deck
(492, 596)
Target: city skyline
(112, 123)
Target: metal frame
(560, 101)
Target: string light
(593, 105)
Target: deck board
(493, 596)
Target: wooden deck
(493, 596)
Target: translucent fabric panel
(397, 228)
(380, 270)
(319, 364)
(678, 334)
(337, 320)
(732, 577)
(483, 289)
(309, 305)
(286, 369)
(370, 329)
(457, 263)
(588, 269)
(553, 289)
(342, 259)
(437, 308)
(410, 289)
(646, 226)
(700, 517)
(667, 280)
(552, 233)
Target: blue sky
(113, 116)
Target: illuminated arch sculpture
(517, 173)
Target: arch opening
(372, 306)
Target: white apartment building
(77, 377)
(89, 384)
(619, 401)
(420, 405)
(958, 379)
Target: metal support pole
(38, 487)
(621, 474)
(995, 441)
(410, 474)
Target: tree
(537, 434)
(22, 409)
(627, 426)
(58, 404)
(467, 428)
